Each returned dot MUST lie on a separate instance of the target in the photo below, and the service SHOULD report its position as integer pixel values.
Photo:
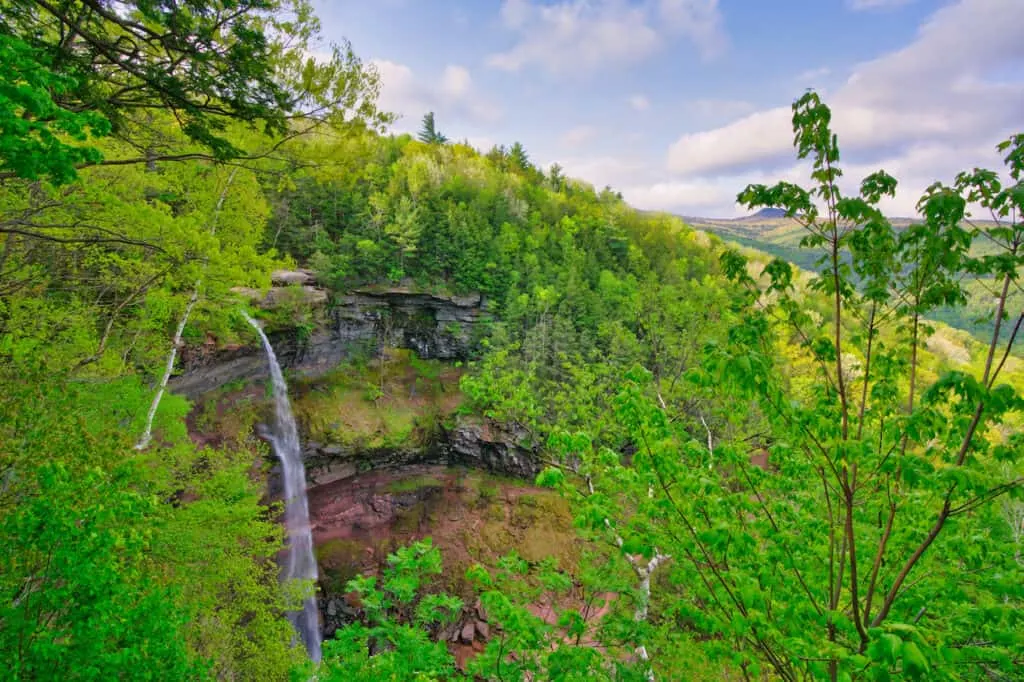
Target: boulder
(481, 612)
(286, 277)
(491, 445)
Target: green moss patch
(395, 401)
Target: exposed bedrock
(362, 321)
(470, 442)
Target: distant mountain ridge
(767, 213)
(771, 232)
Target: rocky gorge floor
(472, 516)
(390, 461)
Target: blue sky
(681, 103)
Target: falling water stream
(300, 562)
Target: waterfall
(300, 562)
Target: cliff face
(365, 320)
(469, 441)
(436, 327)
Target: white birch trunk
(147, 434)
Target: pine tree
(517, 153)
(429, 132)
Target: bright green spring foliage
(73, 66)
(535, 634)
(127, 566)
(581, 286)
(80, 601)
(875, 544)
(115, 563)
(393, 641)
(872, 545)
(550, 624)
(32, 125)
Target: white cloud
(451, 96)
(578, 136)
(455, 81)
(607, 170)
(934, 98)
(698, 20)
(713, 197)
(576, 36)
(756, 138)
(639, 102)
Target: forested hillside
(780, 236)
(746, 471)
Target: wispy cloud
(720, 109)
(451, 94)
(934, 91)
(578, 136)
(581, 36)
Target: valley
(778, 236)
(293, 387)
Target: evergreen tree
(517, 154)
(429, 133)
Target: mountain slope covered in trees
(773, 474)
(780, 236)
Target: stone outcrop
(434, 326)
(494, 446)
(471, 442)
(328, 463)
(362, 321)
(286, 277)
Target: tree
(404, 230)
(102, 578)
(517, 154)
(556, 177)
(429, 133)
(870, 545)
(99, 67)
(392, 640)
(34, 130)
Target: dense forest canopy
(777, 474)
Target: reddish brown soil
(357, 521)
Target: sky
(679, 104)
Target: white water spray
(300, 562)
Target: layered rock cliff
(361, 321)
(468, 441)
